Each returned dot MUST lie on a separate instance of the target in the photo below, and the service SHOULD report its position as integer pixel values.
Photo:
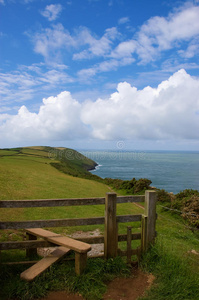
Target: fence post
(31, 252)
(110, 233)
(150, 221)
(129, 238)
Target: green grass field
(27, 173)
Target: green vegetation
(185, 203)
(34, 173)
(173, 260)
(27, 173)
(91, 284)
(129, 187)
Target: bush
(181, 198)
(163, 196)
(191, 210)
(132, 186)
(142, 185)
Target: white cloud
(58, 119)
(54, 42)
(170, 111)
(50, 41)
(123, 20)
(97, 46)
(25, 83)
(52, 11)
(160, 34)
(105, 66)
(179, 31)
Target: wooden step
(75, 245)
(44, 264)
(41, 232)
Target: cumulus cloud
(52, 11)
(169, 111)
(58, 119)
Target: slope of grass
(173, 260)
(28, 174)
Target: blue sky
(96, 74)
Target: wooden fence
(110, 220)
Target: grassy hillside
(29, 173)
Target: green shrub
(180, 198)
(163, 196)
(190, 210)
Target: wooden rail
(111, 220)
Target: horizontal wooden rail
(51, 223)
(66, 202)
(43, 243)
(25, 244)
(65, 222)
(129, 218)
(133, 252)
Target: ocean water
(172, 171)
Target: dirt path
(119, 289)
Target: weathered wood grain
(51, 223)
(111, 232)
(66, 202)
(44, 264)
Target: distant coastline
(172, 171)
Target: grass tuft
(175, 279)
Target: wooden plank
(110, 231)
(66, 202)
(100, 239)
(25, 262)
(129, 218)
(44, 243)
(44, 264)
(65, 222)
(51, 223)
(41, 232)
(134, 236)
(70, 243)
(51, 202)
(24, 244)
(124, 252)
(130, 199)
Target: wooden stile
(44, 264)
(110, 220)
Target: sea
(173, 171)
